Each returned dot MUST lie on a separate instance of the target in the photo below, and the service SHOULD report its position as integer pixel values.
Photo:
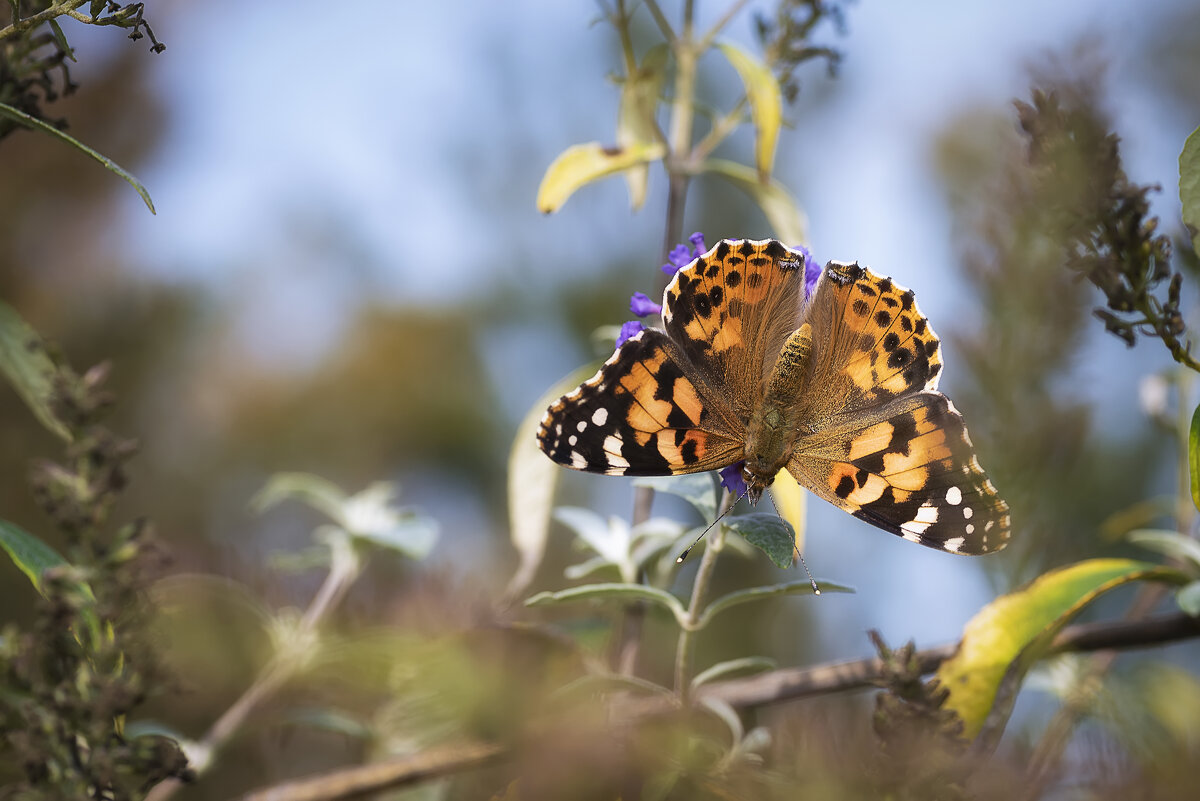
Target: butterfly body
(837, 386)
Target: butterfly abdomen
(775, 424)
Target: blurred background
(347, 275)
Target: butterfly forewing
(731, 310)
(640, 415)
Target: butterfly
(838, 386)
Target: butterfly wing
(640, 415)
(882, 444)
(730, 311)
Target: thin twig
(755, 691)
(25, 23)
(661, 21)
(707, 39)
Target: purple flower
(679, 257)
(641, 305)
(628, 331)
(812, 271)
(697, 240)
(732, 479)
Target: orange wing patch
(638, 416)
(893, 349)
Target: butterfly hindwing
(640, 415)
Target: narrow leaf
(61, 39)
(618, 592)
(581, 164)
(766, 104)
(1188, 598)
(740, 597)
(26, 364)
(790, 501)
(1013, 631)
(1170, 543)
(698, 489)
(317, 492)
(782, 213)
(1194, 456)
(33, 122)
(1189, 196)
(532, 479)
(748, 664)
(636, 124)
(31, 556)
(769, 533)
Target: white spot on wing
(582, 425)
(612, 444)
(967, 512)
(577, 460)
(571, 440)
(970, 529)
(600, 416)
(954, 544)
(954, 496)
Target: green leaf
(726, 602)
(1188, 598)
(749, 664)
(636, 123)
(1194, 456)
(26, 363)
(314, 491)
(31, 556)
(769, 533)
(1189, 196)
(790, 501)
(766, 104)
(581, 164)
(1170, 543)
(329, 720)
(782, 213)
(412, 535)
(698, 489)
(1008, 635)
(33, 122)
(61, 38)
(615, 592)
(532, 480)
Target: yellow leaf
(781, 211)
(790, 501)
(766, 104)
(1013, 631)
(581, 164)
(636, 123)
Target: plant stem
(274, 675)
(687, 633)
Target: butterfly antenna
(811, 580)
(696, 542)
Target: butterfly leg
(773, 430)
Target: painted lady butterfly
(838, 389)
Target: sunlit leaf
(412, 535)
(636, 116)
(1001, 642)
(726, 602)
(698, 489)
(532, 480)
(1188, 598)
(26, 364)
(33, 122)
(317, 492)
(766, 104)
(769, 533)
(611, 592)
(721, 670)
(581, 164)
(1194, 456)
(31, 556)
(790, 501)
(1189, 195)
(1168, 542)
(781, 211)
